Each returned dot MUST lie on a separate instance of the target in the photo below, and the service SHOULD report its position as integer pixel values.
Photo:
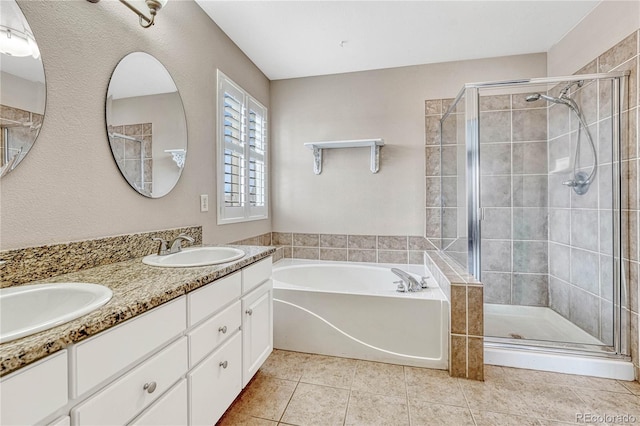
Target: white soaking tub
(353, 310)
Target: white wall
(69, 188)
(346, 197)
(605, 26)
(21, 93)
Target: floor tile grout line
(288, 402)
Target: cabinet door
(215, 383)
(257, 329)
(170, 409)
(34, 392)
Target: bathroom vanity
(181, 362)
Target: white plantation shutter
(242, 150)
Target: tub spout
(408, 283)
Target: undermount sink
(196, 256)
(28, 309)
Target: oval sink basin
(196, 256)
(28, 309)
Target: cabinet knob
(224, 364)
(150, 387)
(249, 311)
(223, 329)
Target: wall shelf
(373, 144)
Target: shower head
(562, 100)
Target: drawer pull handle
(249, 311)
(224, 364)
(223, 330)
(150, 387)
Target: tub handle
(223, 330)
(249, 311)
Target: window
(242, 154)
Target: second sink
(196, 256)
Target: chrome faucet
(407, 282)
(174, 246)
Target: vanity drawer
(215, 383)
(256, 274)
(170, 409)
(207, 300)
(206, 337)
(109, 352)
(126, 397)
(34, 392)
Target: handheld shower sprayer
(581, 180)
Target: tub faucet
(407, 282)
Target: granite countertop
(136, 289)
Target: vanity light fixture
(14, 42)
(153, 5)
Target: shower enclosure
(531, 206)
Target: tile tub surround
(38, 263)
(399, 249)
(127, 154)
(136, 289)
(465, 294)
(305, 389)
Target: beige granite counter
(136, 288)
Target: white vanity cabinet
(32, 393)
(232, 340)
(181, 363)
(257, 329)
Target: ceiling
(290, 39)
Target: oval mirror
(22, 87)
(146, 125)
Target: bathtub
(353, 310)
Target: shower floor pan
(532, 323)
(522, 323)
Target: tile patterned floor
(294, 388)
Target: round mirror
(22, 87)
(146, 125)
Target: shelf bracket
(317, 160)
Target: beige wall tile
(475, 315)
(475, 358)
(362, 256)
(433, 107)
(311, 253)
(306, 240)
(393, 256)
(337, 255)
(393, 242)
(459, 309)
(333, 240)
(619, 53)
(282, 238)
(458, 356)
(362, 241)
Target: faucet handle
(402, 287)
(423, 282)
(162, 249)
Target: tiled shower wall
(21, 134)
(568, 281)
(513, 181)
(127, 154)
(513, 135)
